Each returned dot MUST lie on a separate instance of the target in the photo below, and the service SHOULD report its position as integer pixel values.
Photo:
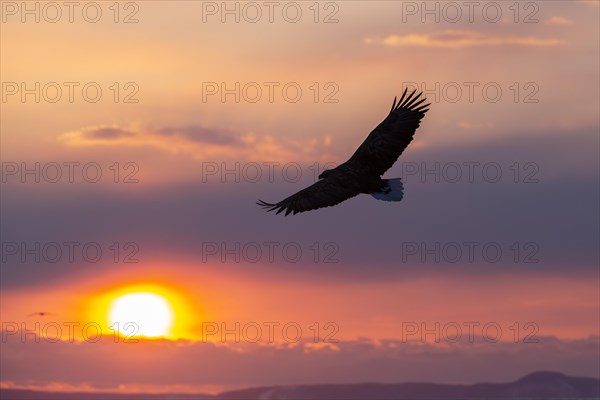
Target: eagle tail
(392, 191)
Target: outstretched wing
(324, 193)
(383, 146)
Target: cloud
(191, 366)
(107, 133)
(205, 135)
(475, 125)
(198, 141)
(162, 137)
(558, 20)
(461, 38)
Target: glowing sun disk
(141, 314)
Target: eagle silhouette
(362, 172)
(40, 314)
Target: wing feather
(324, 193)
(387, 141)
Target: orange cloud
(197, 141)
(474, 125)
(61, 387)
(193, 367)
(459, 39)
(557, 20)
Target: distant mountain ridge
(538, 385)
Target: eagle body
(361, 174)
(362, 181)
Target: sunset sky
(199, 115)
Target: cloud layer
(462, 38)
(188, 366)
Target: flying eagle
(40, 314)
(362, 172)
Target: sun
(141, 314)
(150, 309)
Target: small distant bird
(40, 314)
(362, 172)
